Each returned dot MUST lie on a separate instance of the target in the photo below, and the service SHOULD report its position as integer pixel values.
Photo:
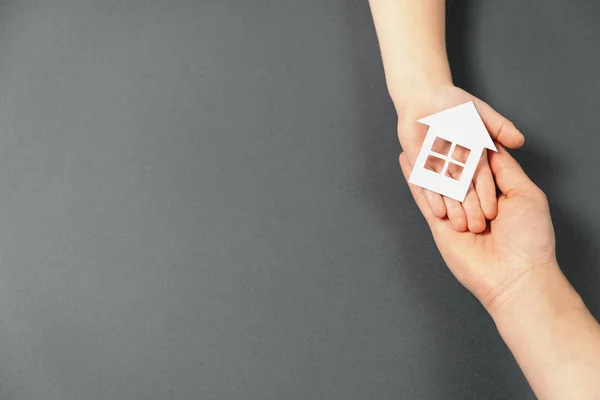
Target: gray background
(201, 199)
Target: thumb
(509, 176)
(499, 127)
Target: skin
(412, 41)
(511, 268)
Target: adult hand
(511, 268)
(495, 263)
(480, 202)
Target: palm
(494, 257)
(480, 203)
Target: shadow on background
(458, 15)
(472, 360)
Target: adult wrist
(543, 293)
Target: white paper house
(460, 126)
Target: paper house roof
(462, 125)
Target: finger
(434, 200)
(509, 176)
(456, 214)
(435, 203)
(483, 182)
(417, 192)
(472, 207)
(499, 127)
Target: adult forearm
(552, 335)
(412, 40)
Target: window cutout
(454, 171)
(461, 154)
(441, 146)
(434, 164)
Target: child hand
(480, 202)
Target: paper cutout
(450, 154)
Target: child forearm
(413, 45)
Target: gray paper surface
(202, 200)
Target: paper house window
(447, 159)
(451, 151)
